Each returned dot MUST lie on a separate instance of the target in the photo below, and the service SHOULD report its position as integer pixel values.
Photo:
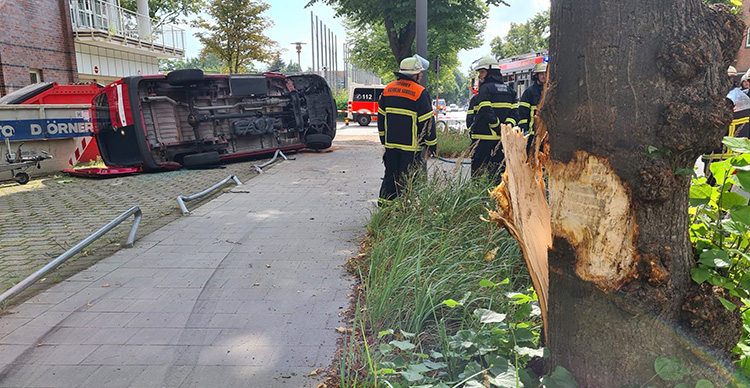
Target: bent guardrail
(259, 168)
(31, 279)
(182, 199)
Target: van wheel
(363, 120)
(318, 141)
(184, 77)
(22, 178)
(202, 159)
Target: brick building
(69, 41)
(742, 62)
(36, 44)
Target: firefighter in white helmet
(405, 124)
(527, 106)
(495, 104)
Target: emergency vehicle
(517, 70)
(363, 103)
(186, 118)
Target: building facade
(742, 62)
(68, 41)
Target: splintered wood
(522, 208)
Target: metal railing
(182, 199)
(113, 20)
(25, 283)
(259, 168)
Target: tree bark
(625, 76)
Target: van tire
(202, 159)
(318, 141)
(184, 77)
(363, 120)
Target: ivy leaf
(434, 365)
(729, 305)
(560, 378)
(741, 214)
(737, 144)
(700, 194)
(385, 348)
(715, 258)
(486, 283)
(682, 385)
(669, 369)
(719, 170)
(473, 384)
(498, 364)
(683, 172)
(385, 332)
(411, 376)
(403, 345)
(451, 303)
(734, 227)
(507, 379)
(419, 368)
(742, 178)
(730, 200)
(704, 384)
(386, 371)
(522, 351)
(699, 275)
(488, 316)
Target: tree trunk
(626, 76)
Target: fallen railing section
(22, 285)
(259, 168)
(182, 199)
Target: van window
(365, 94)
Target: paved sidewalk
(244, 292)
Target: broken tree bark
(626, 76)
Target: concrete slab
(244, 291)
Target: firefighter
(406, 125)
(529, 100)
(495, 105)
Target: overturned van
(186, 118)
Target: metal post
(317, 40)
(312, 40)
(181, 199)
(25, 283)
(336, 60)
(422, 33)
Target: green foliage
(523, 38)
(453, 144)
(720, 233)
(167, 11)
(236, 34)
(342, 100)
(734, 5)
(279, 65)
(211, 64)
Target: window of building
(35, 75)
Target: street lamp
(298, 46)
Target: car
(452, 108)
(188, 119)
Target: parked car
(186, 118)
(452, 108)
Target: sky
(291, 23)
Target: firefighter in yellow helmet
(405, 124)
(495, 104)
(527, 106)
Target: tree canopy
(533, 35)
(236, 35)
(167, 11)
(209, 64)
(457, 24)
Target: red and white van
(186, 118)
(363, 103)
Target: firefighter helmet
(413, 65)
(744, 77)
(731, 71)
(540, 67)
(486, 63)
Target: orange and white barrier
(86, 151)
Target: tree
(167, 11)
(523, 38)
(636, 94)
(460, 21)
(237, 36)
(210, 64)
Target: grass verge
(438, 301)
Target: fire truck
(517, 70)
(363, 103)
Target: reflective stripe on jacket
(527, 107)
(405, 117)
(496, 104)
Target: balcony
(104, 24)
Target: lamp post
(298, 46)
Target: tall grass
(432, 245)
(453, 144)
